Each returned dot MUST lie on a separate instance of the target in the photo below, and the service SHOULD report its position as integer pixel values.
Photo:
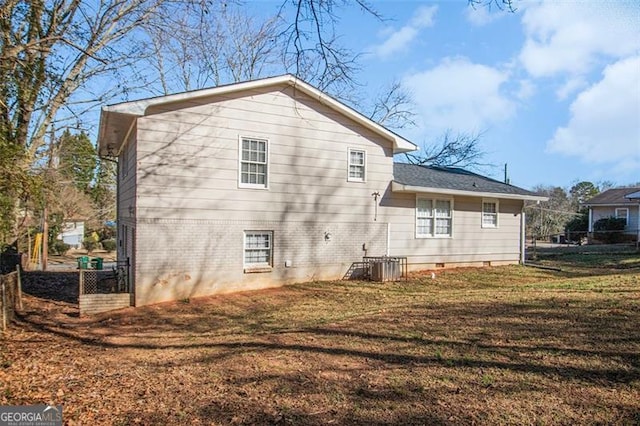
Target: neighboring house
(262, 183)
(72, 233)
(616, 202)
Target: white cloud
(604, 127)
(459, 95)
(482, 15)
(398, 41)
(569, 37)
(570, 87)
(526, 89)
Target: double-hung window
(357, 165)
(623, 213)
(424, 217)
(434, 217)
(489, 213)
(258, 247)
(254, 158)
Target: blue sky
(554, 87)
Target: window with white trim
(258, 247)
(357, 165)
(254, 158)
(434, 217)
(623, 213)
(489, 213)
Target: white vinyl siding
(357, 165)
(254, 157)
(434, 218)
(258, 248)
(490, 213)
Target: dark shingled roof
(614, 196)
(452, 178)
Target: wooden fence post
(4, 305)
(19, 289)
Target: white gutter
(398, 187)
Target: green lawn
(500, 345)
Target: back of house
(268, 182)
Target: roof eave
(621, 203)
(399, 187)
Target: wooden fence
(11, 287)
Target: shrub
(576, 229)
(109, 245)
(90, 244)
(58, 247)
(609, 229)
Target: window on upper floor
(254, 163)
(489, 213)
(357, 165)
(434, 217)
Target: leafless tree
(393, 107)
(459, 150)
(508, 5)
(227, 46)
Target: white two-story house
(267, 182)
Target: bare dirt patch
(507, 345)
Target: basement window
(258, 251)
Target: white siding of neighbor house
(470, 243)
(191, 215)
(603, 212)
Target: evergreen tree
(78, 160)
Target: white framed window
(357, 165)
(424, 217)
(490, 209)
(623, 213)
(434, 217)
(254, 163)
(258, 249)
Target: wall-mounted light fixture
(375, 196)
(328, 236)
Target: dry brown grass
(506, 345)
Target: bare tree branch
(462, 150)
(393, 108)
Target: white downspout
(388, 238)
(638, 228)
(523, 236)
(590, 220)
